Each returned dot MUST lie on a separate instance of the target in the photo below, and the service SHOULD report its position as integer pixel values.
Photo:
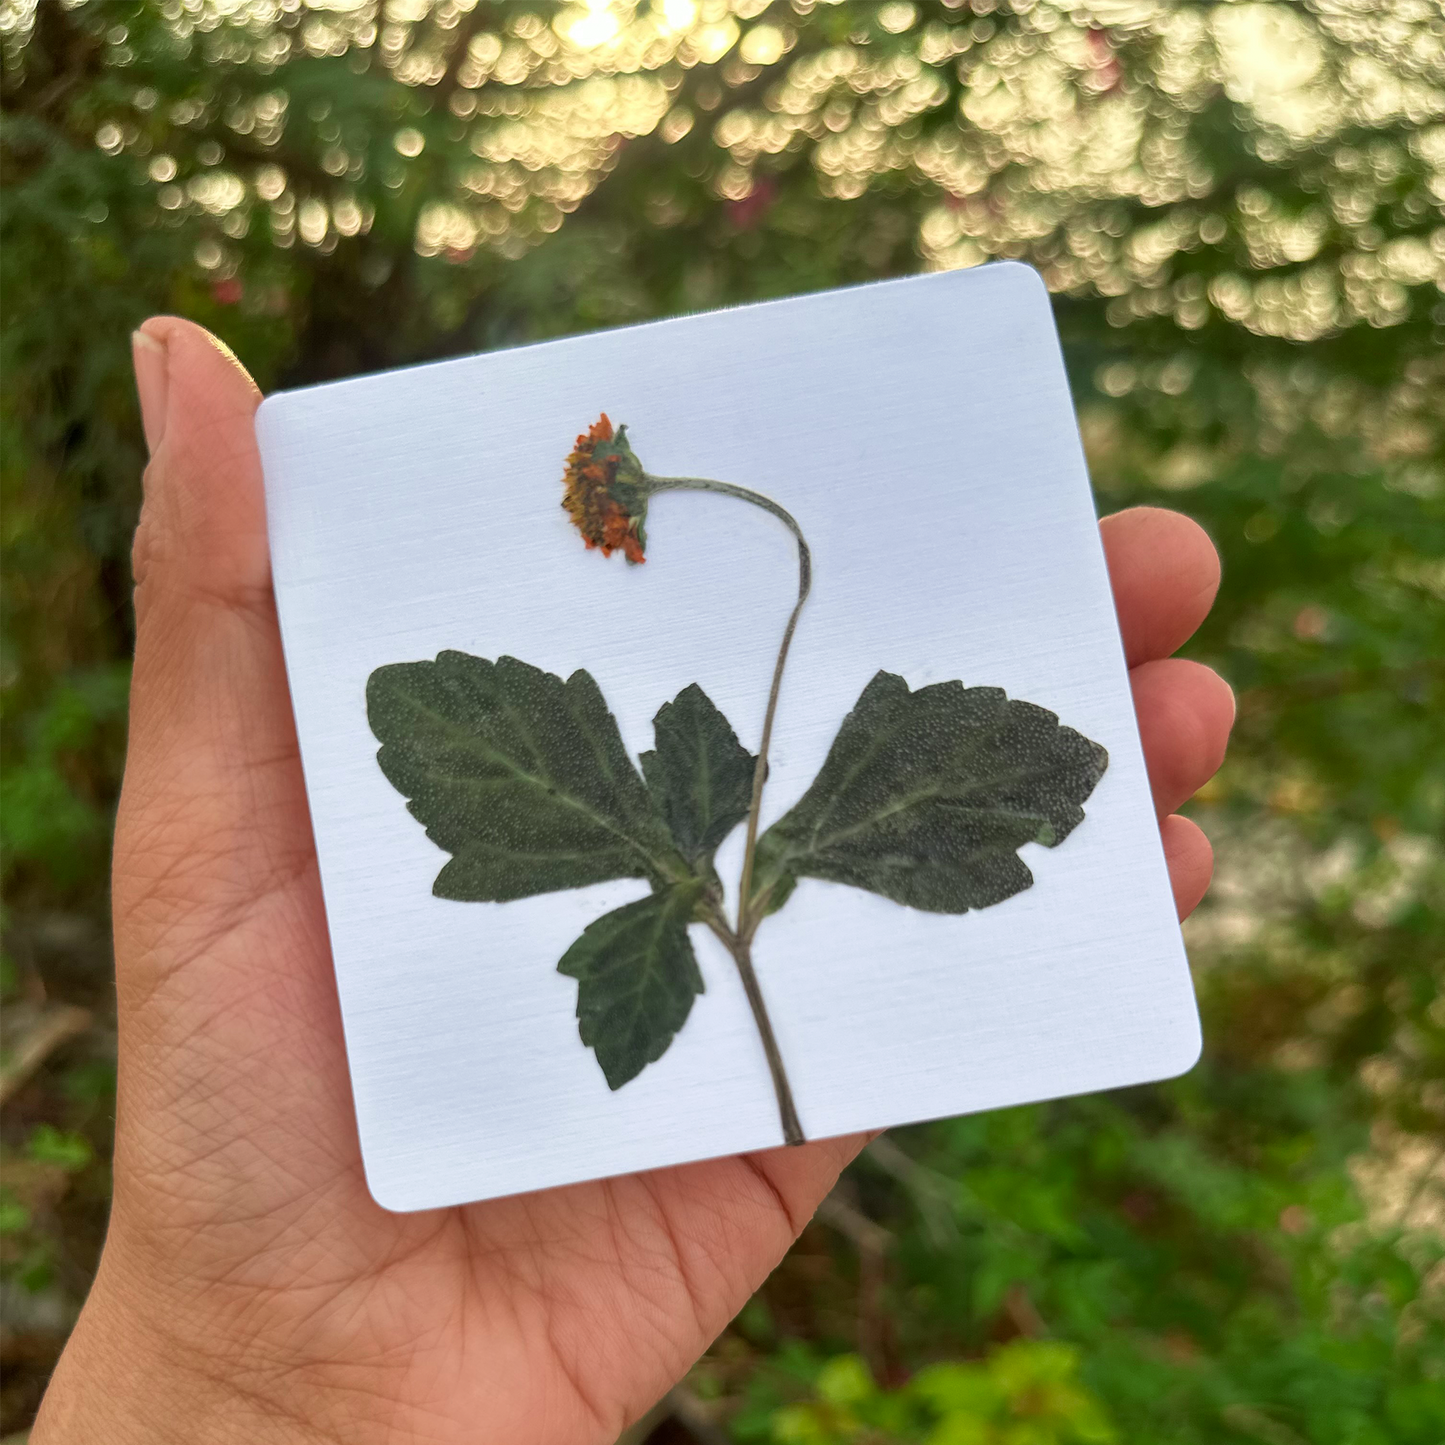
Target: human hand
(250, 1289)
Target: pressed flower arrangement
(924, 798)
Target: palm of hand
(244, 1247)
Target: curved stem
(739, 941)
(747, 923)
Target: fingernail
(152, 384)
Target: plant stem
(742, 953)
(792, 1129)
(739, 941)
(747, 923)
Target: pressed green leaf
(700, 775)
(522, 777)
(637, 977)
(925, 797)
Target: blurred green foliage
(1025, 1393)
(1238, 208)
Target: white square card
(531, 756)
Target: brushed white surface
(922, 433)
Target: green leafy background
(1238, 209)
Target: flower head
(606, 491)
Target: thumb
(212, 804)
(203, 527)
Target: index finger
(1165, 572)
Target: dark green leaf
(637, 978)
(925, 797)
(522, 777)
(701, 776)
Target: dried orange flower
(607, 491)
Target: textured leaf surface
(925, 797)
(522, 777)
(637, 977)
(700, 775)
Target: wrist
(122, 1380)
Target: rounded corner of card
(1182, 1049)
(392, 1190)
(1020, 276)
(273, 414)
